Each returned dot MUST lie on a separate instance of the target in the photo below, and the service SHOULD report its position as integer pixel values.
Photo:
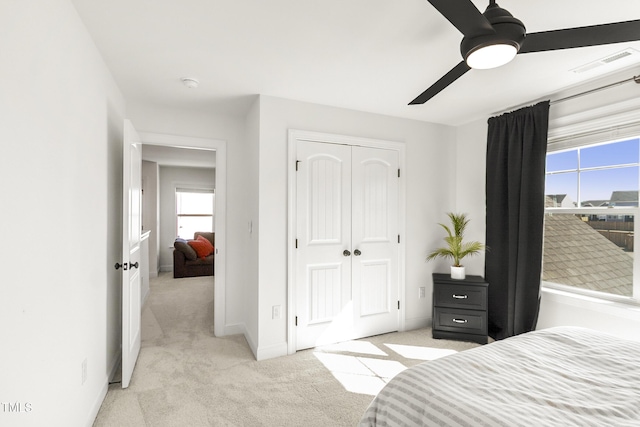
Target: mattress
(553, 377)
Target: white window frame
(620, 210)
(192, 189)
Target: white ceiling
(367, 55)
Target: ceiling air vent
(610, 59)
(617, 56)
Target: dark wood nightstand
(460, 308)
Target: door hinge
(296, 243)
(398, 238)
(297, 161)
(296, 320)
(398, 305)
(398, 173)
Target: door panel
(325, 297)
(324, 180)
(374, 284)
(323, 273)
(131, 249)
(375, 240)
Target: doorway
(202, 146)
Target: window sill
(614, 304)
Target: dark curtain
(516, 154)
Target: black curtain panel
(516, 153)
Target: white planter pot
(457, 272)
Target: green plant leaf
(456, 248)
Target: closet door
(347, 250)
(323, 269)
(374, 228)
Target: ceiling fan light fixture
(491, 55)
(493, 38)
(493, 49)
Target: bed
(560, 376)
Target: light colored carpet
(187, 377)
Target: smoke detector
(190, 82)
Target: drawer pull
(460, 296)
(460, 320)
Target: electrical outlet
(84, 371)
(275, 312)
(421, 292)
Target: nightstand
(460, 308)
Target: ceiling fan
(495, 37)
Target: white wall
(471, 153)
(430, 177)
(150, 212)
(249, 295)
(204, 124)
(557, 308)
(561, 308)
(61, 133)
(170, 178)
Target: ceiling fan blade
(464, 16)
(444, 81)
(594, 35)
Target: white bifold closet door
(347, 243)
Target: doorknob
(134, 265)
(118, 266)
(346, 252)
(357, 252)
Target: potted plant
(456, 248)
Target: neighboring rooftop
(618, 198)
(624, 198)
(575, 254)
(595, 203)
(559, 201)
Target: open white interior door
(131, 234)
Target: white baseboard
(281, 349)
(271, 351)
(241, 329)
(168, 267)
(95, 408)
(417, 323)
(97, 403)
(235, 329)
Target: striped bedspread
(554, 377)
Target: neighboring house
(624, 198)
(595, 203)
(559, 201)
(617, 199)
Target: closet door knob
(357, 252)
(134, 265)
(346, 253)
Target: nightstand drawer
(455, 320)
(460, 296)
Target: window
(194, 211)
(591, 201)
